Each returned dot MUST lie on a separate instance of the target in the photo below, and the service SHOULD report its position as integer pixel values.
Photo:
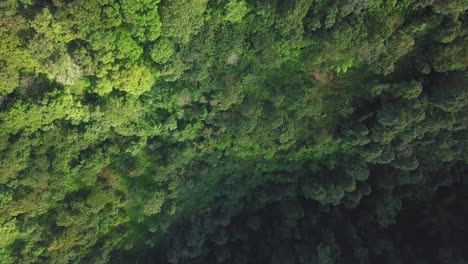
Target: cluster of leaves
(192, 131)
(298, 230)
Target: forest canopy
(233, 131)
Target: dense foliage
(233, 131)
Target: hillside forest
(234, 131)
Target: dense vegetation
(233, 131)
